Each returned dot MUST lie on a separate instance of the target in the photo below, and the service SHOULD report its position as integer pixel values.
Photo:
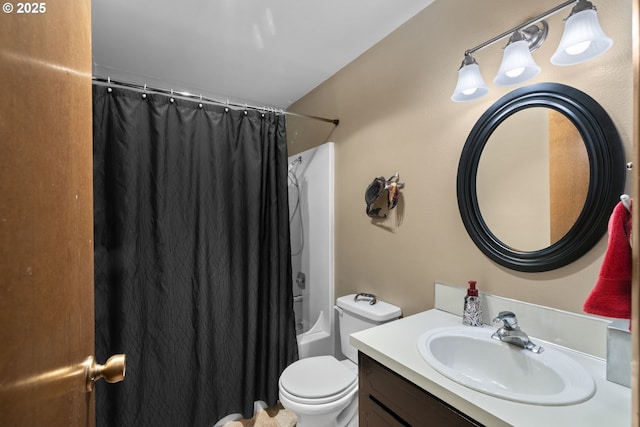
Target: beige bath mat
(275, 416)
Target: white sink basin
(469, 356)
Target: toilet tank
(359, 315)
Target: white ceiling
(261, 52)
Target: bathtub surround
(311, 210)
(192, 266)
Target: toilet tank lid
(379, 312)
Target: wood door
(568, 192)
(635, 291)
(46, 214)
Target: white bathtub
(318, 340)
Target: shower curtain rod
(110, 81)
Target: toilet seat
(317, 380)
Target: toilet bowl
(323, 391)
(320, 390)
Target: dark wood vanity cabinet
(387, 399)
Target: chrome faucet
(511, 333)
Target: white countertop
(394, 345)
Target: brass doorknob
(112, 371)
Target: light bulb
(517, 65)
(515, 72)
(578, 48)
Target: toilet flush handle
(371, 297)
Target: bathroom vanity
(398, 387)
(387, 399)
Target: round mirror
(531, 214)
(539, 176)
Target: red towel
(611, 296)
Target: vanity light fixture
(470, 83)
(517, 64)
(582, 40)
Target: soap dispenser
(472, 314)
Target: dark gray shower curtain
(192, 265)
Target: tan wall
(395, 114)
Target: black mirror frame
(606, 176)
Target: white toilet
(323, 391)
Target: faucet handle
(508, 318)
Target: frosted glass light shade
(517, 65)
(582, 40)
(470, 84)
